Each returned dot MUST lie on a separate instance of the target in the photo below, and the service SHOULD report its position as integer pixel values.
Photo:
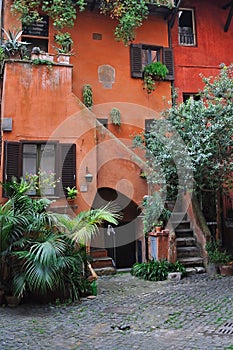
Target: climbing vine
(129, 13)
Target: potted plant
(12, 46)
(155, 215)
(65, 43)
(152, 72)
(115, 115)
(218, 260)
(71, 192)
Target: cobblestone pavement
(128, 314)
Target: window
(37, 34)
(186, 25)
(141, 55)
(103, 121)
(187, 96)
(21, 158)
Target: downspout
(170, 26)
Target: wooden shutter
(67, 166)
(11, 160)
(168, 61)
(136, 60)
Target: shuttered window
(24, 157)
(140, 55)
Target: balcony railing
(186, 36)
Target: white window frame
(194, 43)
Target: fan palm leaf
(85, 225)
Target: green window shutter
(136, 60)
(11, 160)
(67, 169)
(169, 63)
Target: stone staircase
(101, 262)
(188, 252)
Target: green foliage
(215, 253)
(71, 192)
(12, 46)
(205, 127)
(151, 73)
(65, 42)
(63, 12)
(42, 252)
(154, 213)
(155, 270)
(115, 116)
(129, 14)
(87, 96)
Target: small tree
(206, 127)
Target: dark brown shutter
(67, 166)
(168, 61)
(136, 60)
(11, 160)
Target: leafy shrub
(155, 270)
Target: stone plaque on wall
(106, 76)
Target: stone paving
(127, 314)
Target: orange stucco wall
(46, 103)
(214, 46)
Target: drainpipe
(170, 26)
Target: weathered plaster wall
(214, 46)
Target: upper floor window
(141, 55)
(186, 25)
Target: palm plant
(85, 225)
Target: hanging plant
(63, 13)
(87, 96)
(130, 15)
(152, 72)
(115, 115)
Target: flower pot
(63, 59)
(226, 270)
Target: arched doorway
(122, 242)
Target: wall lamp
(88, 176)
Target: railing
(186, 36)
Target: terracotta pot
(226, 270)
(63, 59)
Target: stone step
(98, 253)
(185, 241)
(191, 261)
(178, 216)
(183, 252)
(102, 271)
(102, 262)
(184, 232)
(181, 224)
